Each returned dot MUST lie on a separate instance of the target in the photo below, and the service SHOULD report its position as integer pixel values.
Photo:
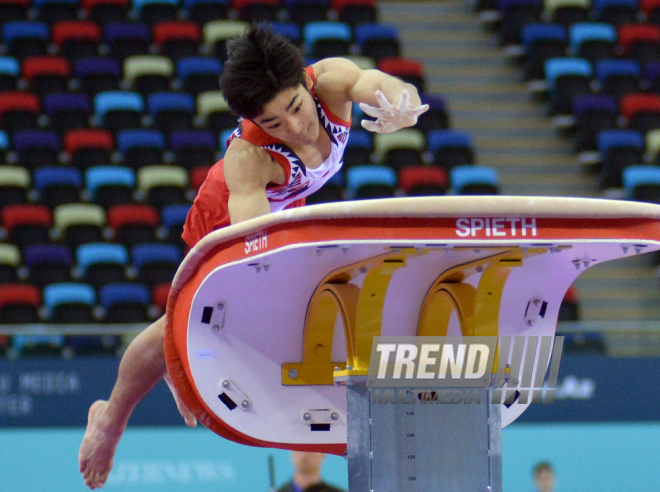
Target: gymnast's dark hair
(260, 64)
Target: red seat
(198, 175)
(176, 30)
(19, 294)
(76, 140)
(129, 214)
(408, 70)
(159, 295)
(25, 214)
(75, 31)
(412, 177)
(338, 5)
(632, 104)
(11, 102)
(36, 66)
(634, 33)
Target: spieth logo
(255, 242)
(496, 227)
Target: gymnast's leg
(141, 367)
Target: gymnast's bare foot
(99, 445)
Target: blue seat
(24, 29)
(613, 67)
(224, 136)
(45, 177)
(619, 149)
(97, 66)
(616, 12)
(138, 5)
(440, 139)
(125, 30)
(104, 102)
(95, 253)
(289, 30)
(370, 31)
(100, 176)
(29, 139)
(600, 5)
(634, 176)
(57, 102)
(39, 254)
(361, 138)
(358, 177)
(4, 141)
(198, 65)
(474, 180)
(594, 103)
(170, 101)
(315, 31)
(565, 66)
(185, 139)
(175, 215)
(9, 66)
(610, 139)
(130, 139)
(68, 293)
(590, 31)
(124, 293)
(532, 33)
(143, 254)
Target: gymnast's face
(291, 116)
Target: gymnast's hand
(389, 118)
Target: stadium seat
(423, 181)
(10, 72)
(18, 111)
(616, 12)
(10, 260)
(256, 10)
(367, 182)
(14, 10)
(199, 74)
(542, 42)
(148, 73)
(651, 9)
(152, 12)
(177, 39)
(567, 12)
(592, 40)
(474, 180)
(437, 117)
(358, 149)
(401, 148)
(52, 11)
(106, 11)
(305, 11)
(133, 224)
(77, 39)
(193, 148)
(171, 111)
(163, 185)
(58, 185)
(70, 302)
(593, 114)
(377, 41)
(159, 295)
(173, 218)
(141, 148)
(88, 147)
(327, 39)
(46, 74)
(450, 148)
(408, 70)
(36, 148)
(354, 12)
(79, 223)
(618, 77)
(652, 140)
(110, 185)
(14, 184)
(101, 263)
(125, 302)
(216, 33)
(619, 149)
(126, 39)
(119, 110)
(642, 183)
(641, 110)
(514, 14)
(198, 176)
(566, 78)
(19, 303)
(214, 112)
(640, 42)
(25, 38)
(26, 224)
(48, 264)
(97, 74)
(156, 263)
(289, 30)
(67, 111)
(203, 11)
